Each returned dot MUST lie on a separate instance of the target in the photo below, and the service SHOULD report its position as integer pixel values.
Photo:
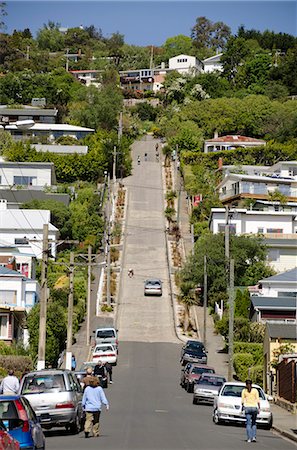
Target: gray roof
(273, 302)
(28, 112)
(282, 330)
(5, 271)
(18, 196)
(288, 276)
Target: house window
(21, 241)
(221, 228)
(287, 294)
(275, 230)
(24, 181)
(8, 297)
(235, 188)
(182, 60)
(4, 326)
(273, 255)
(260, 230)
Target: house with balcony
(137, 80)
(23, 229)
(238, 185)
(87, 77)
(18, 294)
(39, 115)
(273, 309)
(231, 142)
(278, 229)
(41, 131)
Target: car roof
(192, 341)
(239, 383)
(203, 366)
(149, 280)
(105, 344)
(105, 328)
(46, 372)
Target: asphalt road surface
(148, 408)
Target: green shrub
(253, 349)
(256, 374)
(242, 362)
(19, 364)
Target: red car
(7, 442)
(192, 374)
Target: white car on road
(105, 353)
(227, 405)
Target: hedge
(254, 349)
(19, 364)
(242, 362)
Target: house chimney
(162, 65)
(220, 163)
(216, 134)
(3, 204)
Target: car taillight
(117, 342)
(68, 405)
(23, 416)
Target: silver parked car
(207, 387)
(56, 397)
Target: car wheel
(75, 427)
(195, 402)
(268, 425)
(189, 388)
(216, 418)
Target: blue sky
(152, 22)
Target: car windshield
(195, 344)
(212, 381)
(107, 348)
(198, 370)
(34, 384)
(153, 283)
(103, 334)
(233, 390)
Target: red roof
(234, 138)
(84, 71)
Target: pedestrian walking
(73, 363)
(85, 381)
(100, 372)
(145, 156)
(251, 407)
(157, 146)
(130, 273)
(108, 368)
(10, 384)
(92, 401)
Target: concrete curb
(285, 433)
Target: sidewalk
(284, 422)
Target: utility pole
(89, 293)
(227, 239)
(205, 300)
(70, 313)
(231, 321)
(108, 299)
(43, 301)
(67, 61)
(114, 179)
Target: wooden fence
(286, 380)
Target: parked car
(191, 345)
(7, 442)
(193, 374)
(195, 355)
(105, 353)
(153, 286)
(107, 335)
(227, 405)
(19, 419)
(207, 387)
(56, 398)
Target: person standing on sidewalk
(10, 384)
(92, 403)
(251, 406)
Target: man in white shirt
(10, 384)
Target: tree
(208, 35)
(50, 38)
(235, 53)
(6, 141)
(178, 45)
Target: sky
(152, 22)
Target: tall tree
(177, 45)
(206, 34)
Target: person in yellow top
(251, 406)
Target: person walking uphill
(92, 403)
(251, 406)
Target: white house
(27, 174)
(39, 115)
(88, 77)
(185, 64)
(25, 263)
(23, 228)
(282, 284)
(18, 295)
(231, 142)
(280, 178)
(213, 64)
(61, 149)
(279, 230)
(50, 131)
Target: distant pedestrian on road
(130, 273)
(10, 384)
(138, 159)
(73, 363)
(108, 368)
(157, 146)
(145, 156)
(251, 406)
(92, 403)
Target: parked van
(106, 335)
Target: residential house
(15, 197)
(273, 309)
(137, 80)
(12, 258)
(280, 285)
(231, 142)
(49, 131)
(87, 77)
(23, 228)
(276, 334)
(61, 149)
(35, 175)
(39, 115)
(186, 65)
(213, 64)
(18, 295)
(280, 178)
(278, 228)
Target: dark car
(193, 374)
(21, 422)
(197, 355)
(191, 345)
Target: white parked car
(105, 353)
(227, 405)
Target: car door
(35, 427)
